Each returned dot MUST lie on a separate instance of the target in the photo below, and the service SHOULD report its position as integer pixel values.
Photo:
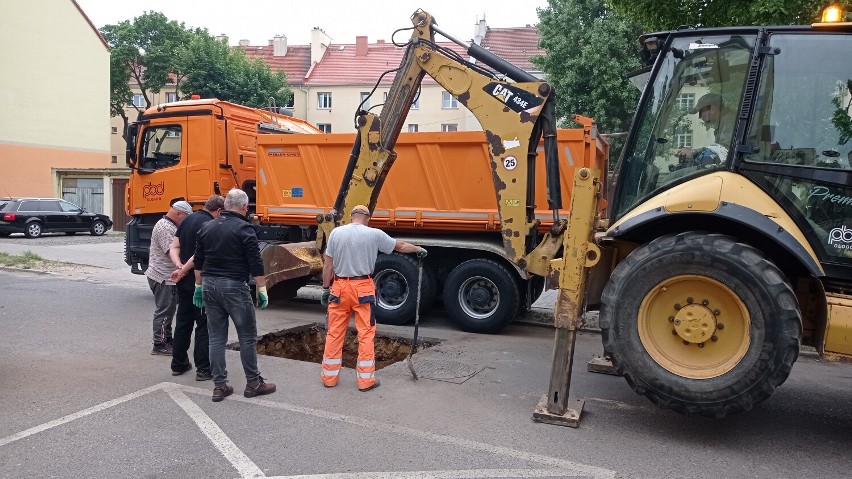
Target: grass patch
(25, 261)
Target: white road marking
(438, 438)
(77, 415)
(246, 468)
(460, 474)
(220, 440)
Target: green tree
(214, 70)
(655, 15)
(143, 52)
(590, 49)
(155, 54)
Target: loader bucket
(289, 266)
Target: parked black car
(34, 216)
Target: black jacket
(227, 247)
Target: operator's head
(709, 108)
(237, 201)
(360, 214)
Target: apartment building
(54, 124)
(330, 80)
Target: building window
(412, 128)
(115, 158)
(324, 100)
(683, 140)
(415, 105)
(171, 97)
(449, 127)
(138, 100)
(448, 101)
(365, 100)
(324, 127)
(115, 130)
(291, 103)
(685, 101)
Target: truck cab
(189, 150)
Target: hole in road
(307, 343)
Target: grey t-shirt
(355, 247)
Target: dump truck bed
(439, 181)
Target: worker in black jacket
(226, 255)
(189, 316)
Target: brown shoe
(258, 388)
(221, 392)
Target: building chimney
(361, 46)
(319, 44)
(480, 30)
(279, 46)
(244, 42)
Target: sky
(260, 20)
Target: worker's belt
(365, 276)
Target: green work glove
(262, 297)
(324, 298)
(198, 297)
(422, 253)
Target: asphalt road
(83, 398)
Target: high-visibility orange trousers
(348, 296)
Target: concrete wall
(54, 92)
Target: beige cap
(707, 100)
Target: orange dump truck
(439, 194)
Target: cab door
(799, 140)
(160, 166)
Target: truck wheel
(481, 296)
(395, 276)
(700, 323)
(32, 229)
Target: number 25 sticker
(510, 162)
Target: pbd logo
(840, 237)
(153, 189)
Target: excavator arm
(515, 110)
(513, 114)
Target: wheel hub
(695, 323)
(480, 297)
(391, 289)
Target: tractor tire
(395, 276)
(701, 324)
(481, 296)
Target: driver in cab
(713, 114)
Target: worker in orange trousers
(348, 288)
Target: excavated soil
(306, 343)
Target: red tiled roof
(295, 64)
(515, 45)
(341, 65)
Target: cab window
(161, 147)
(686, 125)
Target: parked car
(34, 216)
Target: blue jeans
(225, 297)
